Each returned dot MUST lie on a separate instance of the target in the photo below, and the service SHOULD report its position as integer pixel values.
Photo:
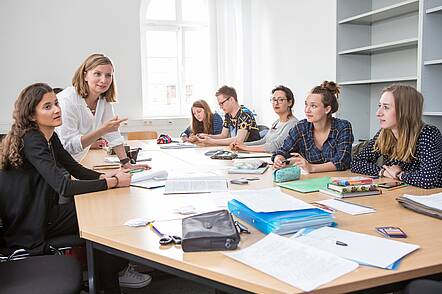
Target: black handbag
(210, 231)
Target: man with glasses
(239, 123)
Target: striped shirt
(336, 148)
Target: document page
(195, 185)
(269, 200)
(362, 248)
(346, 207)
(301, 266)
(433, 200)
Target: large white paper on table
(196, 185)
(301, 266)
(149, 175)
(269, 200)
(433, 200)
(362, 248)
(346, 207)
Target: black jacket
(27, 193)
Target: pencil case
(286, 174)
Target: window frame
(180, 27)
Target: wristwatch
(124, 160)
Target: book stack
(351, 187)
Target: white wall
(46, 40)
(290, 42)
(293, 44)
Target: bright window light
(175, 56)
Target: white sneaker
(129, 278)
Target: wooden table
(101, 216)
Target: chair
(262, 130)
(22, 273)
(142, 135)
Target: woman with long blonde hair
(411, 150)
(88, 113)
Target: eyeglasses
(222, 103)
(279, 100)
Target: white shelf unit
(383, 13)
(430, 81)
(379, 42)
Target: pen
(155, 230)
(340, 243)
(323, 206)
(133, 171)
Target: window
(175, 55)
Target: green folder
(305, 186)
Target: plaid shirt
(336, 149)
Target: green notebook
(305, 186)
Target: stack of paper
(430, 205)
(301, 266)
(272, 211)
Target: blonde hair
(408, 105)
(91, 62)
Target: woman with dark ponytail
(321, 142)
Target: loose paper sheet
(301, 266)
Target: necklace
(93, 107)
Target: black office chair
(262, 130)
(23, 273)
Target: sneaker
(129, 278)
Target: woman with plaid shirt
(321, 142)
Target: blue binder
(281, 222)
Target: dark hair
(329, 91)
(227, 91)
(204, 126)
(288, 94)
(24, 111)
(57, 90)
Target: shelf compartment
(381, 48)
(433, 62)
(387, 12)
(432, 113)
(437, 9)
(378, 81)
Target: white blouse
(78, 121)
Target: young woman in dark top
(411, 150)
(32, 159)
(321, 142)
